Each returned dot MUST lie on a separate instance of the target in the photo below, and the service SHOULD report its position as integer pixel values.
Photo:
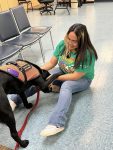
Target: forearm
(47, 66)
(51, 64)
(70, 76)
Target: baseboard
(103, 0)
(88, 2)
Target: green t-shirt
(67, 64)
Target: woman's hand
(51, 64)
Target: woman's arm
(51, 64)
(71, 76)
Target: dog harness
(21, 69)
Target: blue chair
(24, 24)
(7, 51)
(9, 33)
(47, 6)
(62, 4)
(27, 2)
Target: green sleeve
(87, 67)
(59, 49)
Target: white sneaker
(12, 104)
(51, 130)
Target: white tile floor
(90, 125)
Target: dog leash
(26, 119)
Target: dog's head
(45, 74)
(45, 80)
(31, 74)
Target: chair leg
(41, 48)
(55, 9)
(1, 62)
(27, 7)
(20, 56)
(67, 9)
(31, 6)
(79, 3)
(46, 9)
(51, 39)
(65, 6)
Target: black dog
(10, 84)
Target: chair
(62, 4)
(80, 3)
(47, 8)
(25, 27)
(26, 2)
(9, 33)
(7, 51)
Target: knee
(66, 86)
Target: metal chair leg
(51, 39)
(20, 56)
(41, 48)
(31, 6)
(27, 7)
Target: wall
(6, 4)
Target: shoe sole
(50, 134)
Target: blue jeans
(17, 99)
(59, 115)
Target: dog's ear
(45, 74)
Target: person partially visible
(15, 100)
(75, 57)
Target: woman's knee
(15, 98)
(75, 86)
(66, 85)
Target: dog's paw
(30, 105)
(24, 143)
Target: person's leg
(16, 100)
(59, 116)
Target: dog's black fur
(11, 85)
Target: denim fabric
(29, 92)
(59, 115)
(17, 99)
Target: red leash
(26, 119)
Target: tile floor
(90, 124)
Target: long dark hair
(84, 44)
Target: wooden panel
(74, 4)
(35, 2)
(90, 0)
(4, 5)
(0, 8)
(12, 3)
